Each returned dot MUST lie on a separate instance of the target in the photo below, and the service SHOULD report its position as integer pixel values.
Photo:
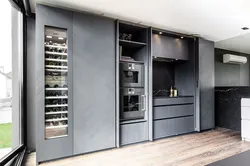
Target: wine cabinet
(56, 83)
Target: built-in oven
(133, 103)
(132, 74)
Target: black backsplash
(163, 78)
(228, 106)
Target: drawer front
(172, 101)
(170, 127)
(245, 113)
(245, 129)
(132, 133)
(173, 111)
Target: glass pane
(10, 78)
(56, 83)
(131, 103)
(130, 76)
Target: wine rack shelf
(53, 113)
(55, 53)
(56, 97)
(54, 120)
(56, 105)
(55, 46)
(56, 60)
(54, 66)
(56, 79)
(56, 127)
(56, 89)
(56, 70)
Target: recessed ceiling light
(160, 33)
(182, 37)
(49, 37)
(60, 38)
(245, 28)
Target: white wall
(3, 87)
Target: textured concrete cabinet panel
(175, 126)
(94, 83)
(59, 147)
(133, 133)
(206, 84)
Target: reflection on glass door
(56, 83)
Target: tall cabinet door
(206, 84)
(94, 83)
(54, 29)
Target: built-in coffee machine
(132, 97)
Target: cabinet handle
(143, 102)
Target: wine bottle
(171, 92)
(175, 92)
(47, 102)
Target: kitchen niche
(170, 72)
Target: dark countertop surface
(242, 159)
(159, 97)
(232, 86)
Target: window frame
(17, 154)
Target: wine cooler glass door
(56, 83)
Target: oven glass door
(132, 104)
(130, 76)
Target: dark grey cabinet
(48, 149)
(93, 83)
(205, 79)
(133, 133)
(173, 116)
(169, 47)
(170, 127)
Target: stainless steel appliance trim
(143, 102)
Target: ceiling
(239, 44)
(214, 20)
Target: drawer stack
(173, 116)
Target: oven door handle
(143, 98)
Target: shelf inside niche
(131, 44)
